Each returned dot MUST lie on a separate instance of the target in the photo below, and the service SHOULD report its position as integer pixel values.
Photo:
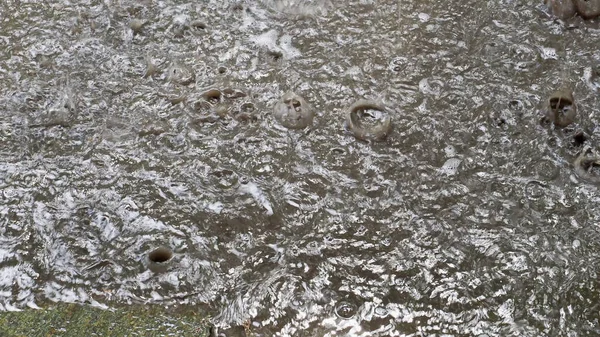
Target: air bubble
(297, 303)
(226, 178)
(398, 64)
(450, 167)
(346, 310)
(293, 112)
(368, 121)
(180, 74)
(546, 169)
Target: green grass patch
(73, 320)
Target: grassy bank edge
(74, 320)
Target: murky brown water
(468, 220)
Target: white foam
(216, 207)
(258, 195)
(450, 151)
(289, 50)
(450, 167)
(269, 40)
(548, 53)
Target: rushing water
(468, 220)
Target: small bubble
(296, 303)
(516, 105)
(198, 24)
(450, 151)
(247, 108)
(337, 151)
(294, 251)
(361, 230)
(293, 112)
(226, 178)
(181, 74)
(346, 310)
(398, 64)
(547, 170)
(313, 246)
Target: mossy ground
(73, 320)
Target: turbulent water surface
(467, 220)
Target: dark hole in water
(561, 105)
(515, 105)
(201, 106)
(161, 254)
(247, 108)
(212, 96)
(297, 105)
(499, 121)
(198, 25)
(579, 138)
(591, 165)
(275, 55)
(237, 6)
(232, 93)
